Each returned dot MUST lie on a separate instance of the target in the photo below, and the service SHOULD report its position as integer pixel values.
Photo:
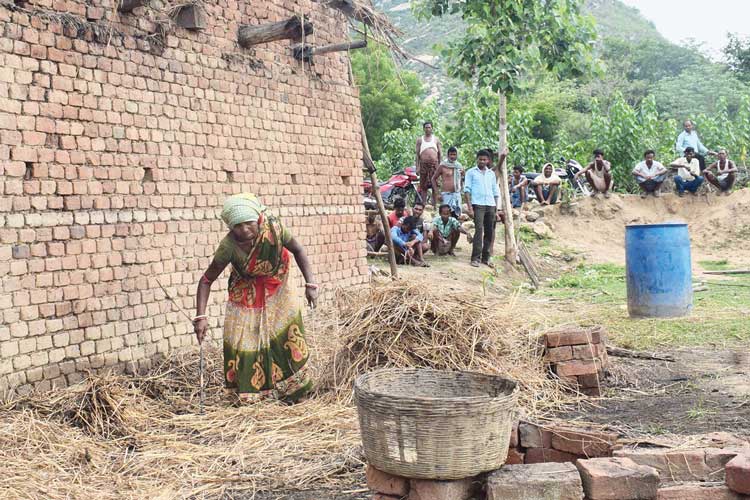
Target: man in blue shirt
(688, 138)
(482, 197)
(407, 242)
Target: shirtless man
(429, 152)
(726, 172)
(598, 174)
(450, 174)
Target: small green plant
(700, 411)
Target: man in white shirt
(688, 173)
(649, 174)
(726, 172)
(547, 185)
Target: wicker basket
(431, 424)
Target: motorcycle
(402, 184)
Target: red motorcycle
(401, 185)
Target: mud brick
(515, 456)
(587, 351)
(385, 483)
(536, 481)
(738, 473)
(557, 354)
(379, 496)
(591, 380)
(593, 392)
(577, 367)
(697, 491)
(544, 455)
(534, 436)
(617, 479)
(576, 336)
(460, 489)
(672, 465)
(514, 435)
(586, 443)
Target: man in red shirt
(399, 211)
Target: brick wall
(118, 145)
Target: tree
(388, 96)
(737, 52)
(504, 41)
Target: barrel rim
(660, 224)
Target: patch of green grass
(719, 316)
(714, 265)
(700, 411)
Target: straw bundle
(116, 436)
(418, 323)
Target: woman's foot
(474, 263)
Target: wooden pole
(370, 167)
(293, 28)
(511, 251)
(306, 51)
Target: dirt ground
(595, 227)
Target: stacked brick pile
(644, 477)
(532, 443)
(578, 356)
(117, 148)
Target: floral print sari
(264, 343)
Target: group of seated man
(413, 237)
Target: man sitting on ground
(399, 211)
(419, 225)
(518, 184)
(598, 174)
(407, 243)
(688, 173)
(445, 232)
(449, 173)
(547, 185)
(375, 236)
(726, 173)
(649, 174)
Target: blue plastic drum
(659, 276)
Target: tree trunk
(130, 5)
(511, 251)
(293, 28)
(370, 166)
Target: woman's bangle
(201, 316)
(312, 285)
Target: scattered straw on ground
(118, 436)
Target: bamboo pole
(370, 167)
(511, 251)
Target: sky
(707, 21)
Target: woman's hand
(200, 327)
(311, 294)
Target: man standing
(407, 243)
(445, 232)
(428, 157)
(649, 174)
(598, 174)
(688, 173)
(726, 173)
(518, 184)
(450, 173)
(688, 138)
(547, 185)
(482, 197)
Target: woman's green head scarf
(241, 208)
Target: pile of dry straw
(117, 436)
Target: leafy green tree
(387, 95)
(737, 52)
(507, 39)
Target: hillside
(424, 38)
